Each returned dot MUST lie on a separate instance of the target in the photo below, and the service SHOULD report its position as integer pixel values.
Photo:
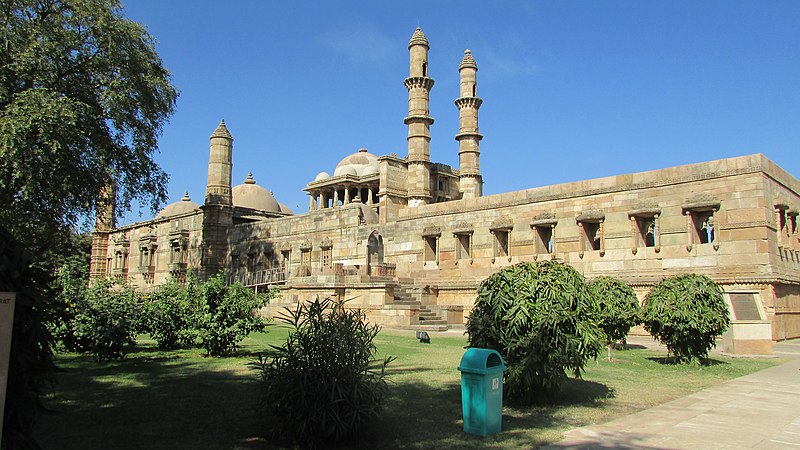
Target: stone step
(432, 321)
(428, 327)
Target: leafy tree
(172, 315)
(323, 384)
(686, 313)
(83, 95)
(542, 319)
(107, 320)
(227, 314)
(619, 308)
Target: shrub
(619, 308)
(541, 318)
(106, 321)
(171, 313)
(227, 315)
(70, 287)
(686, 313)
(323, 383)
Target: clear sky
(571, 90)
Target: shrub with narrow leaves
(542, 319)
(227, 314)
(619, 308)
(686, 313)
(323, 384)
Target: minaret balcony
(468, 102)
(418, 82)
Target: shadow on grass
(671, 361)
(420, 415)
(151, 402)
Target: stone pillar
(104, 223)
(218, 206)
(369, 195)
(470, 179)
(346, 195)
(419, 121)
(335, 197)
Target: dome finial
(418, 38)
(468, 61)
(222, 131)
(185, 197)
(249, 179)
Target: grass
(181, 399)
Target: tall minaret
(419, 121)
(470, 180)
(218, 206)
(218, 188)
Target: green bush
(70, 287)
(542, 319)
(172, 315)
(686, 313)
(227, 315)
(323, 384)
(107, 320)
(619, 308)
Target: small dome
(360, 163)
(418, 38)
(183, 206)
(250, 195)
(285, 209)
(322, 176)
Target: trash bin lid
(481, 360)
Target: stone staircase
(429, 320)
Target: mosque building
(409, 240)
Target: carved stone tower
(218, 206)
(419, 121)
(468, 137)
(104, 223)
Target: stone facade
(409, 240)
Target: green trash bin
(482, 391)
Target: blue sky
(571, 90)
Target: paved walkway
(757, 411)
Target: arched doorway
(374, 250)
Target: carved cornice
(591, 215)
(463, 228)
(431, 231)
(418, 82)
(701, 201)
(468, 102)
(502, 224)
(469, 134)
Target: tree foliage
(323, 384)
(686, 313)
(619, 308)
(542, 319)
(83, 94)
(226, 315)
(172, 314)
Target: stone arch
(374, 250)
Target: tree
(542, 319)
(619, 308)
(686, 313)
(83, 98)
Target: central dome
(250, 195)
(360, 163)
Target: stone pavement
(756, 411)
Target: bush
(70, 286)
(619, 308)
(107, 321)
(686, 313)
(227, 315)
(171, 313)
(541, 318)
(323, 383)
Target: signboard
(7, 300)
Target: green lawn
(180, 399)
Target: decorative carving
(431, 231)
(463, 228)
(502, 223)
